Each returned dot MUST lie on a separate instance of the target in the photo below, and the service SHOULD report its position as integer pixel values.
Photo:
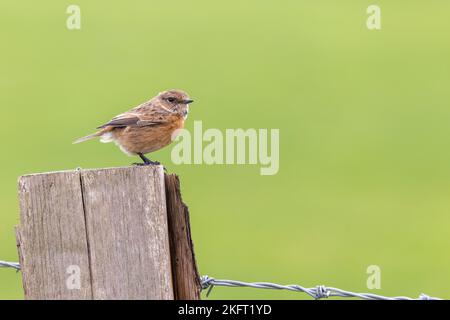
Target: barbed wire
(6, 264)
(318, 292)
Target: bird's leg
(147, 161)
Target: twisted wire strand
(6, 264)
(318, 292)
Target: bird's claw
(153, 163)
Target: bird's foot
(148, 163)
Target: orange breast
(147, 139)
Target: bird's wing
(129, 119)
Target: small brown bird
(147, 127)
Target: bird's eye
(171, 99)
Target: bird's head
(174, 100)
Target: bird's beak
(188, 101)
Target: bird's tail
(89, 137)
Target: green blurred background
(363, 116)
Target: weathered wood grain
(52, 236)
(184, 268)
(127, 233)
(122, 232)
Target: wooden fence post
(104, 234)
(184, 266)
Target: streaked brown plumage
(147, 127)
